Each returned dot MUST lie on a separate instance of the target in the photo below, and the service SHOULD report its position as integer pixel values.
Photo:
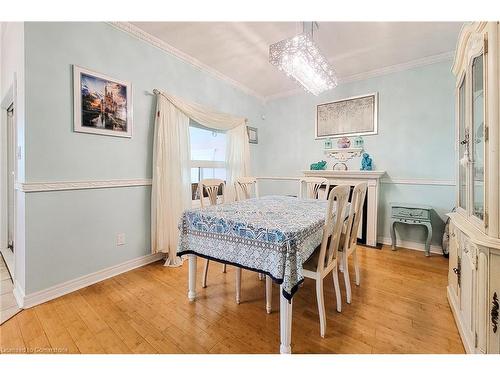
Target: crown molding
(429, 60)
(34, 187)
(135, 31)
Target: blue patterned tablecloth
(273, 235)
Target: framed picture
(253, 137)
(347, 117)
(102, 105)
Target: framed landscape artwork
(102, 105)
(347, 117)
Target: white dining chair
(324, 258)
(211, 186)
(350, 237)
(314, 188)
(243, 188)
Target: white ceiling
(239, 50)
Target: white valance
(204, 115)
(171, 189)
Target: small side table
(416, 214)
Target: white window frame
(205, 164)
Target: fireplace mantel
(352, 178)
(363, 175)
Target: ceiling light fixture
(300, 58)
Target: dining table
(273, 235)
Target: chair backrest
(355, 213)
(211, 186)
(313, 185)
(243, 187)
(334, 222)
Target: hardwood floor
(8, 304)
(400, 307)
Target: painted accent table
(413, 214)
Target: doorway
(8, 303)
(8, 247)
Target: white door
(10, 179)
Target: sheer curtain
(171, 188)
(171, 191)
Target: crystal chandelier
(300, 58)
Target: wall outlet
(120, 239)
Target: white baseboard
(33, 299)
(435, 249)
(18, 294)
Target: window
(208, 155)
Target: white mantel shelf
(372, 178)
(346, 174)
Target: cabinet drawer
(410, 213)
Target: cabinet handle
(455, 269)
(494, 312)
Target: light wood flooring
(400, 307)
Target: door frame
(7, 101)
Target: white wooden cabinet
(474, 269)
(474, 286)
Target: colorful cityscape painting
(102, 105)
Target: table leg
(428, 242)
(238, 285)
(285, 324)
(393, 235)
(192, 277)
(269, 294)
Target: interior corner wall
(415, 141)
(73, 233)
(12, 85)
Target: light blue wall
(73, 233)
(415, 138)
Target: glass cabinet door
(462, 147)
(477, 138)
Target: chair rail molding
(417, 181)
(34, 187)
